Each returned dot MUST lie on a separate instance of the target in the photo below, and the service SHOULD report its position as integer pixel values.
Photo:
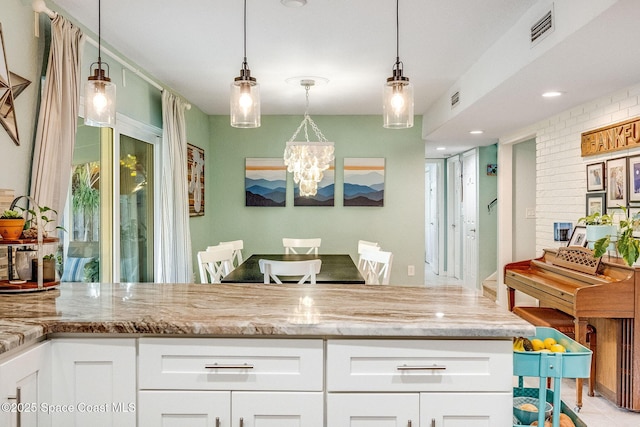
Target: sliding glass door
(137, 186)
(111, 213)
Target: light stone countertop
(239, 310)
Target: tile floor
(596, 411)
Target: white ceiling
(195, 47)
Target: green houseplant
(11, 224)
(627, 245)
(598, 226)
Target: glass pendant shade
(245, 103)
(99, 100)
(397, 104)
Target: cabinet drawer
(231, 364)
(419, 365)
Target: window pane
(82, 260)
(136, 210)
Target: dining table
(335, 268)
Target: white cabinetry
(25, 385)
(454, 382)
(232, 382)
(94, 381)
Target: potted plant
(598, 226)
(43, 217)
(11, 224)
(627, 245)
(48, 268)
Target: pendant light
(398, 92)
(245, 92)
(308, 160)
(99, 92)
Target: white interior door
(432, 213)
(454, 229)
(470, 218)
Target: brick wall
(561, 171)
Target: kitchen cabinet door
(277, 409)
(94, 382)
(184, 408)
(373, 409)
(25, 386)
(466, 409)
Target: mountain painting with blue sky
(364, 181)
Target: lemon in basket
(548, 342)
(557, 348)
(537, 344)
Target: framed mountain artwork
(364, 181)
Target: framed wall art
(596, 202)
(595, 177)
(616, 183)
(265, 182)
(634, 179)
(364, 181)
(7, 97)
(195, 177)
(561, 231)
(579, 236)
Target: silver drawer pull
(18, 399)
(229, 366)
(421, 368)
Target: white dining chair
(311, 245)
(363, 246)
(238, 246)
(307, 269)
(215, 263)
(376, 268)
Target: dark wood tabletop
(334, 269)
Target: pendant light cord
(397, 32)
(99, 34)
(244, 63)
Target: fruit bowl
(526, 417)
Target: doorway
(435, 242)
(111, 208)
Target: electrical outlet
(411, 270)
(530, 213)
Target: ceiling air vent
(455, 99)
(543, 27)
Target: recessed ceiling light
(551, 94)
(293, 3)
(441, 148)
(476, 132)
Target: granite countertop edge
(266, 312)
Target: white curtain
(174, 264)
(57, 119)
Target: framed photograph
(616, 183)
(579, 236)
(561, 231)
(634, 179)
(595, 177)
(596, 202)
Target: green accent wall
(487, 219)
(398, 226)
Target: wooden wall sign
(619, 136)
